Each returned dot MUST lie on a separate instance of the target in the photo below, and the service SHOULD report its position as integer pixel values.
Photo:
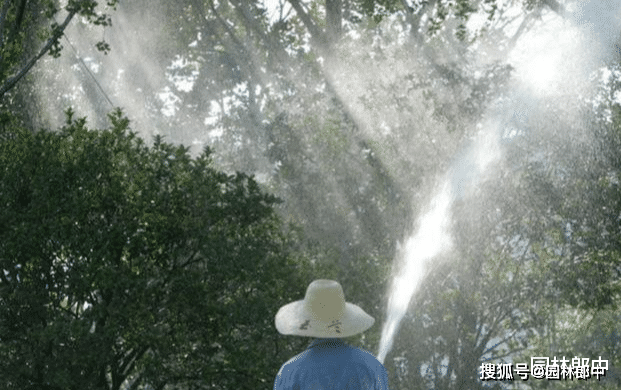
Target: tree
(578, 333)
(348, 109)
(20, 22)
(286, 102)
(482, 302)
(254, 74)
(124, 265)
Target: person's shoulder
(374, 366)
(294, 361)
(289, 371)
(365, 355)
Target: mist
(408, 169)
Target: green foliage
(468, 310)
(29, 30)
(123, 263)
(349, 130)
(582, 333)
(379, 9)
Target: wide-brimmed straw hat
(323, 313)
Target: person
(328, 363)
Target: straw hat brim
(295, 319)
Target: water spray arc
(432, 236)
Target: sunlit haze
(396, 118)
(553, 60)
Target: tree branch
(521, 30)
(555, 6)
(510, 353)
(19, 18)
(334, 16)
(58, 32)
(316, 34)
(493, 347)
(252, 21)
(130, 360)
(237, 46)
(5, 10)
(416, 19)
(190, 259)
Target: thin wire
(89, 72)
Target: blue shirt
(331, 364)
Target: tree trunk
(334, 16)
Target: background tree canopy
(131, 261)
